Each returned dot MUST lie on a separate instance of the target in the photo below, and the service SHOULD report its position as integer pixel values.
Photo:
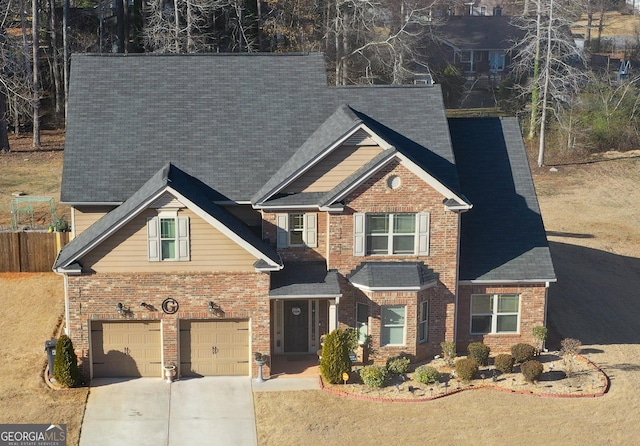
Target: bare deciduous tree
(549, 55)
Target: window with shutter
(297, 230)
(168, 238)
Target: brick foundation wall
(533, 303)
(239, 295)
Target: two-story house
(230, 204)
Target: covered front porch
(304, 306)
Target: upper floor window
(297, 229)
(495, 313)
(168, 237)
(391, 234)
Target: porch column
(333, 315)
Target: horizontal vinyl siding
(85, 216)
(334, 168)
(126, 250)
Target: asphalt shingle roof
(229, 120)
(503, 236)
(304, 279)
(392, 275)
(190, 187)
(481, 32)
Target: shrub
(504, 363)
(426, 375)
(448, 352)
(398, 365)
(479, 352)
(523, 352)
(65, 365)
(466, 368)
(335, 356)
(569, 349)
(570, 346)
(540, 333)
(531, 370)
(374, 375)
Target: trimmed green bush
(522, 352)
(448, 352)
(479, 352)
(531, 370)
(65, 365)
(426, 374)
(504, 363)
(398, 365)
(335, 356)
(466, 368)
(374, 375)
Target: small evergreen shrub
(466, 368)
(426, 375)
(374, 375)
(479, 352)
(398, 365)
(65, 365)
(504, 363)
(448, 352)
(522, 352)
(531, 370)
(335, 356)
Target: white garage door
(127, 349)
(210, 348)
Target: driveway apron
(148, 411)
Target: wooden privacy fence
(30, 251)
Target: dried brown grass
(32, 306)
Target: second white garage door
(214, 348)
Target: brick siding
(239, 295)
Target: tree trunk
(543, 119)
(535, 93)
(55, 63)
(35, 45)
(120, 25)
(190, 45)
(177, 24)
(4, 125)
(65, 55)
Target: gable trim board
(121, 216)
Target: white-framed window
(168, 237)
(423, 324)
(362, 321)
(393, 325)
(495, 313)
(297, 229)
(391, 234)
(465, 56)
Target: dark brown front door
(296, 326)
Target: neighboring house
(481, 45)
(230, 204)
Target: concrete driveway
(148, 411)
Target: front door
(296, 326)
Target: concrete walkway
(148, 411)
